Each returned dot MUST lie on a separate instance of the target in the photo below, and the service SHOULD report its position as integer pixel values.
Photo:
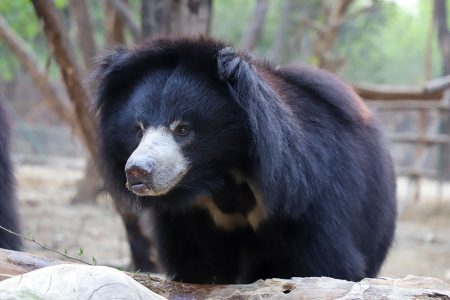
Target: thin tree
(70, 72)
(440, 17)
(155, 17)
(191, 17)
(122, 10)
(84, 32)
(253, 33)
(91, 183)
(276, 50)
(335, 14)
(175, 17)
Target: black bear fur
(8, 214)
(304, 145)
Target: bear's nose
(139, 173)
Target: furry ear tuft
(227, 63)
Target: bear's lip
(142, 189)
(139, 189)
(146, 188)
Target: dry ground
(422, 244)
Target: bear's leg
(290, 250)
(141, 245)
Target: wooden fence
(419, 133)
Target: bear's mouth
(150, 189)
(139, 189)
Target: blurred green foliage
(20, 16)
(383, 46)
(394, 51)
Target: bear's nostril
(135, 172)
(137, 175)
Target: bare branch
(43, 246)
(30, 63)
(344, 5)
(351, 16)
(70, 73)
(127, 17)
(316, 26)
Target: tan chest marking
(223, 220)
(231, 221)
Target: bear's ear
(103, 79)
(107, 61)
(275, 133)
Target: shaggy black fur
(309, 150)
(8, 214)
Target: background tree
(254, 30)
(440, 16)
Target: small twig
(353, 15)
(43, 246)
(316, 26)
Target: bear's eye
(139, 129)
(182, 130)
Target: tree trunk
(190, 17)
(84, 32)
(276, 50)
(14, 263)
(71, 74)
(255, 28)
(155, 17)
(113, 25)
(56, 37)
(91, 185)
(325, 42)
(440, 17)
(335, 14)
(428, 61)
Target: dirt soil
(46, 186)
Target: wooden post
(420, 149)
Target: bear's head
(168, 123)
(179, 116)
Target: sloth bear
(8, 214)
(250, 171)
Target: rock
(74, 281)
